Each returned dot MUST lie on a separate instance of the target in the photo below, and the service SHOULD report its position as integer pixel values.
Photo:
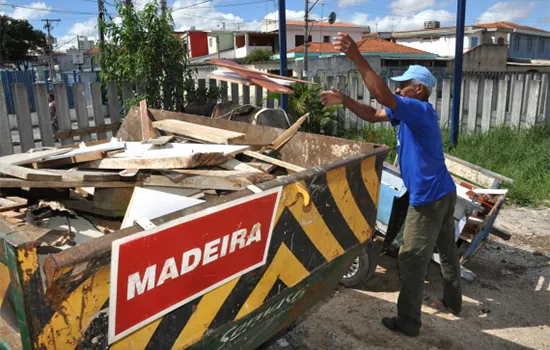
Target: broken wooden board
(101, 147)
(82, 158)
(86, 175)
(219, 173)
(200, 132)
(116, 199)
(174, 162)
(228, 183)
(274, 161)
(31, 156)
(137, 149)
(15, 183)
(12, 203)
(127, 173)
(64, 134)
(26, 173)
(262, 166)
(289, 133)
(167, 200)
(231, 65)
(145, 121)
(234, 164)
(159, 141)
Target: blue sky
(78, 16)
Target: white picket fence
(488, 100)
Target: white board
(153, 202)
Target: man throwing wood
(429, 221)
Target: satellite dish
(332, 18)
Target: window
(210, 42)
(530, 44)
(326, 39)
(299, 39)
(500, 41)
(516, 43)
(474, 42)
(542, 43)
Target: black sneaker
(391, 324)
(454, 312)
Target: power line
(186, 7)
(228, 5)
(48, 10)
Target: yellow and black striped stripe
(317, 221)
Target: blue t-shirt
(420, 151)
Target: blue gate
(10, 77)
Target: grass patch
(523, 155)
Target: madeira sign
(158, 270)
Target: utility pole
(282, 49)
(163, 7)
(457, 81)
(128, 2)
(306, 21)
(48, 26)
(101, 33)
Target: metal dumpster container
(314, 223)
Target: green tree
(20, 42)
(258, 55)
(141, 49)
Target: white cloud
(87, 29)
(405, 7)
(506, 11)
(401, 23)
(28, 14)
(348, 3)
(207, 17)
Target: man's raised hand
(344, 43)
(332, 97)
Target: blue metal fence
(10, 77)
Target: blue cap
(418, 73)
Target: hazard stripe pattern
(341, 201)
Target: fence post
(112, 101)
(353, 94)
(546, 96)
(6, 143)
(532, 106)
(97, 106)
(81, 109)
(341, 112)
(223, 86)
(433, 96)
(259, 95)
(517, 101)
(446, 102)
(43, 113)
(472, 103)
(501, 100)
(246, 95)
(24, 122)
(62, 111)
(235, 93)
(487, 105)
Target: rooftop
(325, 24)
(508, 25)
(365, 45)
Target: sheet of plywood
(200, 132)
(228, 183)
(15, 183)
(167, 200)
(30, 157)
(81, 158)
(137, 149)
(86, 175)
(26, 173)
(168, 162)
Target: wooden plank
(487, 105)
(12, 203)
(275, 161)
(433, 96)
(81, 109)
(246, 95)
(81, 158)
(24, 123)
(517, 100)
(231, 79)
(472, 104)
(265, 167)
(223, 173)
(235, 93)
(28, 158)
(255, 77)
(532, 107)
(17, 183)
(88, 207)
(223, 183)
(174, 162)
(62, 111)
(501, 100)
(112, 102)
(40, 92)
(289, 133)
(168, 200)
(112, 198)
(259, 97)
(145, 120)
(27, 173)
(84, 175)
(200, 132)
(6, 143)
(97, 106)
(87, 131)
(446, 103)
(234, 164)
(231, 65)
(474, 173)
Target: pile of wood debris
(78, 192)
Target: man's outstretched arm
(377, 87)
(363, 111)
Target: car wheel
(362, 268)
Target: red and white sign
(158, 270)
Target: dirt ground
(506, 307)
